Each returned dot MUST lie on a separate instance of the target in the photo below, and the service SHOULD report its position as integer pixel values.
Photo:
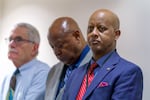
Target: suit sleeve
(129, 85)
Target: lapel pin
(108, 69)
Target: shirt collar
(101, 61)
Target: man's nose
(12, 43)
(95, 31)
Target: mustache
(12, 50)
(93, 40)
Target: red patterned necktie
(88, 77)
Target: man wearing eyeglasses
(30, 75)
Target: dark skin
(66, 40)
(103, 32)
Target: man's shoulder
(55, 72)
(129, 66)
(37, 67)
(57, 67)
(40, 63)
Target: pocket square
(103, 84)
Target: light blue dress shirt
(31, 82)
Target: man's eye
(18, 39)
(101, 29)
(90, 29)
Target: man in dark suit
(70, 47)
(114, 77)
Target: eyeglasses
(18, 40)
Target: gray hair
(33, 33)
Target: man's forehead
(15, 33)
(100, 17)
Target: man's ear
(76, 34)
(117, 34)
(35, 49)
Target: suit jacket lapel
(77, 80)
(54, 80)
(110, 64)
(82, 71)
(86, 58)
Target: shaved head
(66, 39)
(64, 25)
(112, 17)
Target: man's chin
(65, 62)
(11, 58)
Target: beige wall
(134, 16)
(0, 15)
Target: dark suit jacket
(118, 79)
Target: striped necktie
(13, 80)
(87, 79)
(12, 86)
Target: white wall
(134, 16)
